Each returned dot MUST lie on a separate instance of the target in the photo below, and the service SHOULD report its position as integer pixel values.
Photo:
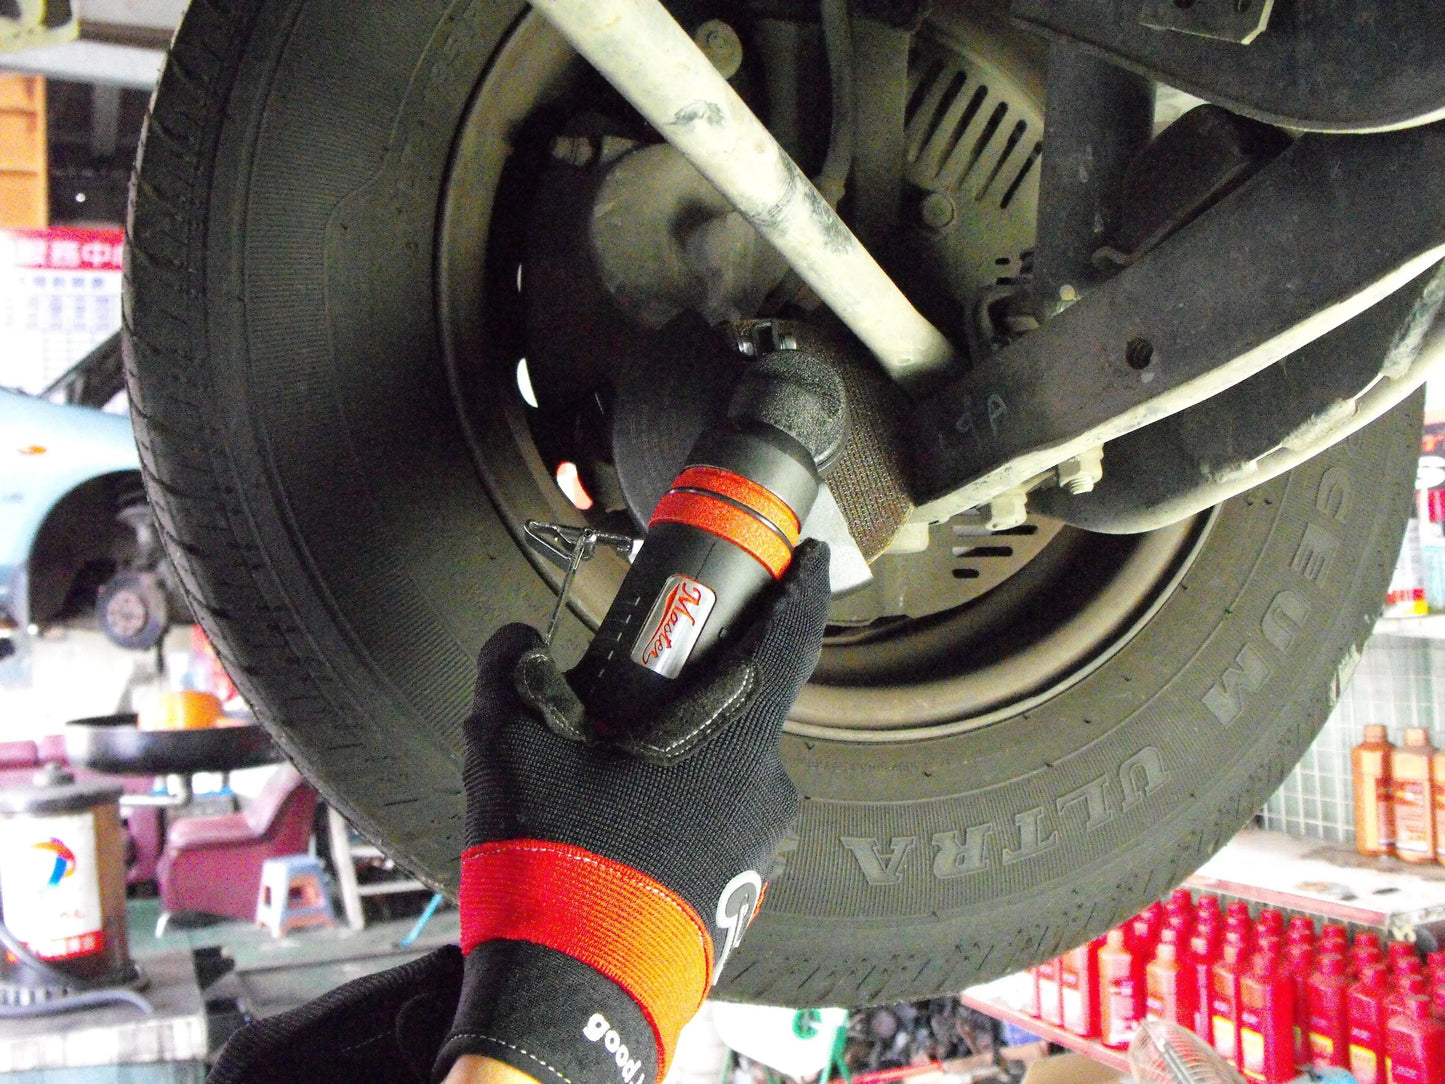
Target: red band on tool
(727, 521)
(746, 492)
(638, 933)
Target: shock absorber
(725, 530)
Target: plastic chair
(213, 864)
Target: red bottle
(1301, 931)
(1270, 921)
(1143, 940)
(1050, 1005)
(1326, 1001)
(1206, 909)
(1181, 900)
(1399, 953)
(1079, 989)
(1415, 1045)
(1434, 964)
(1334, 940)
(1119, 1009)
(1298, 965)
(1404, 986)
(1203, 955)
(1367, 943)
(1224, 1001)
(1365, 1000)
(1266, 1018)
(1236, 916)
(1437, 998)
(1167, 992)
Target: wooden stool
(293, 894)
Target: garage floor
(272, 975)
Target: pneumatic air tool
(725, 529)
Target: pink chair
(213, 864)
(18, 763)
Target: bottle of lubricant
(1438, 766)
(1412, 791)
(1415, 1045)
(1224, 1001)
(1119, 1010)
(1079, 989)
(1266, 1018)
(1374, 811)
(1327, 1006)
(1050, 1003)
(1365, 1001)
(1167, 995)
(1204, 949)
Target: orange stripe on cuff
(746, 492)
(637, 932)
(728, 522)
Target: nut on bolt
(1006, 511)
(1082, 473)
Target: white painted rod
(640, 49)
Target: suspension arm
(1333, 226)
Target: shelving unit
(1329, 882)
(1000, 999)
(345, 851)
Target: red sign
(67, 248)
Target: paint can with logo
(62, 878)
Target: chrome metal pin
(567, 547)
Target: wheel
(131, 610)
(1011, 743)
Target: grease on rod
(722, 533)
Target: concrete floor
(271, 974)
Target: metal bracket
(1323, 66)
(1332, 227)
(1238, 21)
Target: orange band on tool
(729, 522)
(746, 492)
(637, 932)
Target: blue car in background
(77, 539)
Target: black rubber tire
(303, 453)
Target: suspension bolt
(1006, 511)
(937, 211)
(720, 43)
(1082, 473)
(574, 150)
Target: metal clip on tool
(567, 547)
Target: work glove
(605, 883)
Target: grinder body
(722, 533)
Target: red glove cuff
(620, 922)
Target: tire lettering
(960, 857)
(1283, 620)
(1226, 698)
(1031, 837)
(876, 869)
(1094, 796)
(1335, 495)
(1141, 775)
(1316, 548)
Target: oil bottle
(1411, 787)
(1374, 809)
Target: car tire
(338, 526)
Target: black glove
(604, 886)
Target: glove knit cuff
(635, 931)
